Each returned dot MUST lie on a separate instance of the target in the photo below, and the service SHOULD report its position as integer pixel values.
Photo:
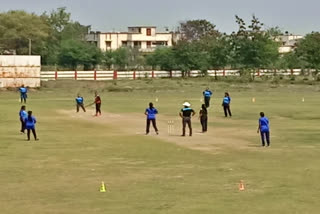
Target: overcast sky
(298, 17)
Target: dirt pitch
(134, 124)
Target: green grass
(144, 175)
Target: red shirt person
(97, 101)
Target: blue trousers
(23, 97)
(265, 135)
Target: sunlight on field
(63, 171)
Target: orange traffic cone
(241, 186)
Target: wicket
(170, 127)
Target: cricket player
(30, 122)
(23, 115)
(79, 102)
(23, 93)
(151, 117)
(97, 101)
(264, 130)
(203, 115)
(186, 113)
(226, 104)
(207, 95)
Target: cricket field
(158, 174)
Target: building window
(108, 44)
(148, 44)
(160, 43)
(125, 43)
(148, 31)
(137, 44)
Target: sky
(296, 17)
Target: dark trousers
(23, 97)
(226, 109)
(80, 106)
(23, 125)
(204, 123)
(207, 101)
(185, 121)
(154, 124)
(98, 108)
(265, 135)
(33, 132)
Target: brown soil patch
(214, 141)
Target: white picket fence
(114, 75)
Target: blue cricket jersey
(264, 124)
(151, 113)
(30, 122)
(23, 114)
(79, 100)
(226, 100)
(23, 90)
(207, 93)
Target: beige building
(146, 38)
(288, 43)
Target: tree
(18, 27)
(274, 32)
(162, 57)
(62, 28)
(120, 57)
(218, 51)
(309, 50)
(189, 56)
(254, 48)
(193, 30)
(58, 19)
(74, 53)
(107, 59)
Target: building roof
(142, 26)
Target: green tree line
(62, 42)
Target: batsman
(97, 101)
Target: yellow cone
(103, 187)
(303, 99)
(253, 100)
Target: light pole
(30, 46)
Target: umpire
(186, 113)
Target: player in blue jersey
(23, 94)
(30, 122)
(80, 103)
(151, 113)
(226, 104)
(207, 95)
(23, 115)
(264, 129)
(186, 114)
